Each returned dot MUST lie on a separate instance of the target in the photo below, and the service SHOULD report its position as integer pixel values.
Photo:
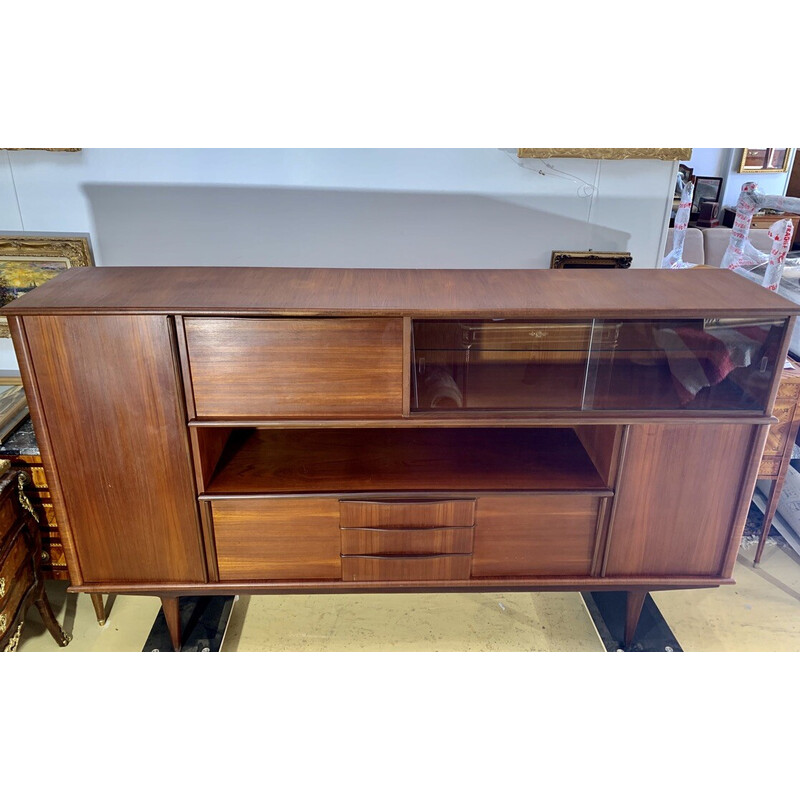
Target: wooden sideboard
(270, 430)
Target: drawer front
(277, 539)
(415, 568)
(779, 432)
(770, 467)
(789, 389)
(535, 535)
(296, 368)
(20, 586)
(53, 558)
(406, 514)
(399, 541)
(11, 564)
(9, 517)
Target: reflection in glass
(711, 364)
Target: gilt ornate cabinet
(330, 430)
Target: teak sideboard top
(382, 292)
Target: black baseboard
(653, 635)
(203, 624)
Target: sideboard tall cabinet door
(665, 524)
(110, 391)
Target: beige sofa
(708, 245)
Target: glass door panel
(692, 364)
(499, 364)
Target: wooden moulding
(548, 584)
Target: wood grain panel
(665, 524)
(132, 515)
(602, 443)
(490, 293)
(399, 541)
(534, 535)
(288, 538)
(406, 514)
(415, 568)
(296, 368)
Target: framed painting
(765, 159)
(28, 261)
(591, 259)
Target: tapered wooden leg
(769, 513)
(50, 621)
(171, 606)
(632, 614)
(99, 608)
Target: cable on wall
(585, 189)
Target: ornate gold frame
(589, 259)
(660, 153)
(76, 250)
(784, 167)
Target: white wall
(444, 208)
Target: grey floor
(761, 613)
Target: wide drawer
(407, 514)
(277, 538)
(400, 541)
(9, 516)
(296, 368)
(20, 586)
(535, 535)
(415, 568)
(11, 564)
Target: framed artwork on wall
(28, 261)
(562, 259)
(765, 159)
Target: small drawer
(20, 586)
(400, 541)
(38, 477)
(53, 555)
(407, 514)
(770, 467)
(789, 390)
(414, 568)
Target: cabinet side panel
(109, 392)
(677, 499)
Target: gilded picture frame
(613, 153)
(765, 159)
(589, 259)
(27, 261)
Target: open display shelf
(400, 460)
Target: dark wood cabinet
(277, 430)
(21, 580)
